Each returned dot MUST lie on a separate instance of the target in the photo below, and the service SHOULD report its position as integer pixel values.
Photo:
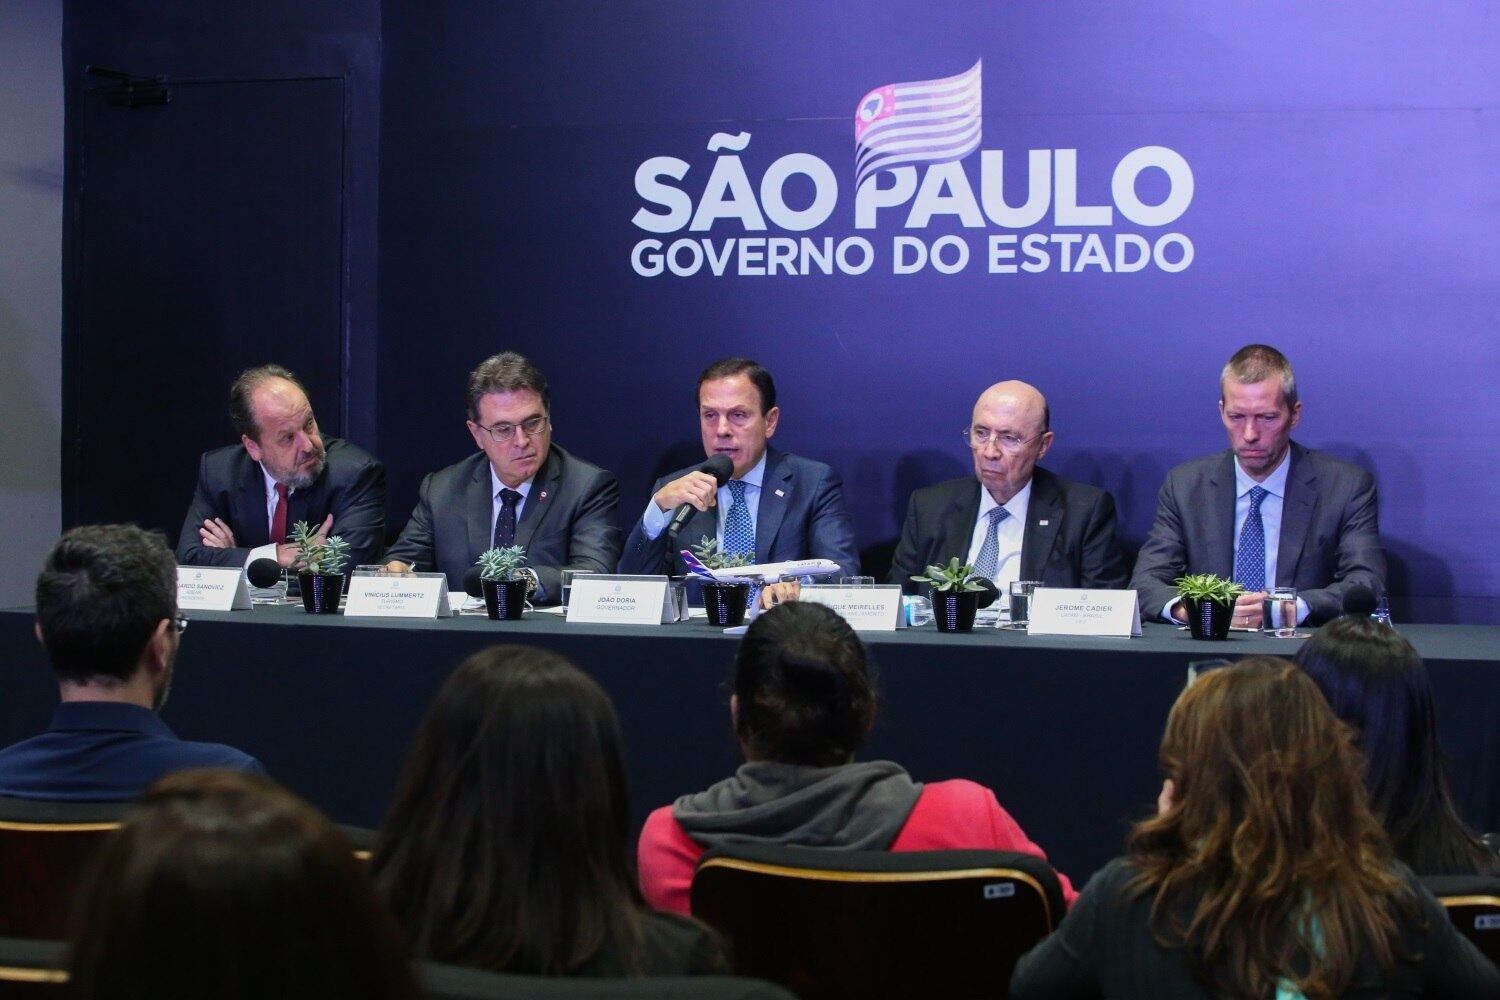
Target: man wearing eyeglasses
(520, 489)
(106, 613)
(1013, 520)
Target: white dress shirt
(654, 521)
(496, 503)
(268, 551)
(1010, 533)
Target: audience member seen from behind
(225, 885)
(106, 614)
(1264, 873)
(1377, 683)
(507, 846)
(803, 704)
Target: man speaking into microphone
(772, 507)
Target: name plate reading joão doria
(618, 599)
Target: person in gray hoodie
(803, 704)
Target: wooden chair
(830, 923)
(453, 982)
(45, 851)
(31, 969)
(1473, 904)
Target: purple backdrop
(1343, 207)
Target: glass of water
(1278, 613)
(1020, 601)
(856, 581)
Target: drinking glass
(1020, 601)
(1278, 613)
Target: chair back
(1473, 904)
(45, 851)
(832, 923)
(31, 969)
(453, 982)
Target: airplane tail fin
(696, 567)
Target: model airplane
(762, 573)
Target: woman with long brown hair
(1264, 873)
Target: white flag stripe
(966, 143)
(967, 105)
(957, 137)
(947, 81)
(947, 141)
(876, 133)
(905, 92)
(886, 163)
(932, 146)
(913, 138)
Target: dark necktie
(278, 517)
(505, 521)
(1250, 555)
(988, 563)
(739, 533)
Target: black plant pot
(953, 610)
(504, 599)
(1209, 619)
(725, 602)
(321, 592)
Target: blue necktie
(739, 533)
(505, 521)
(1250, 554)
(988, 563)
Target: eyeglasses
(978, 437)
(504, 432)
(179, 623)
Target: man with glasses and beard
(1013, 520)
(519, 489)
(283, 471)
(106, 613)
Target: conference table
(1065, 730)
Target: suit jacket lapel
(775, 495)
(252, 526)
(478, 513)
(541, 498)
(1221, 499)
(957, 529)
(1044, 516)
(1297, 509)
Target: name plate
(618, 599)
(417, 595)
(212, 588)
(866, 609)
(1065, 611)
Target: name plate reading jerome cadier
(1068, 611)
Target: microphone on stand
(718, 466)
(990, 594)
(1359, 600)
(472, 586)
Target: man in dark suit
(1013, 520)
(775, 506)
(106, 613)
(1267, 512)
(250, 495)
(520, 489)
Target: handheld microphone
(472, 586)
(718, 466)
(264, 573)
(990, 594)
(1359, 600)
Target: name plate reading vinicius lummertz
(620, 599)
(411, 595)
(212, 588)
(1065, 611)
(866, 609)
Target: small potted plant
(1209, 602)
(724, 602)
(504, 582)
(955, 594)
(320, 569)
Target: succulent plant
(326, 556)
(1207, 587)
(711, 554)
(501, 563)
(954, 576)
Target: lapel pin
(780, 493)
(543, 496)
(1042, 523)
